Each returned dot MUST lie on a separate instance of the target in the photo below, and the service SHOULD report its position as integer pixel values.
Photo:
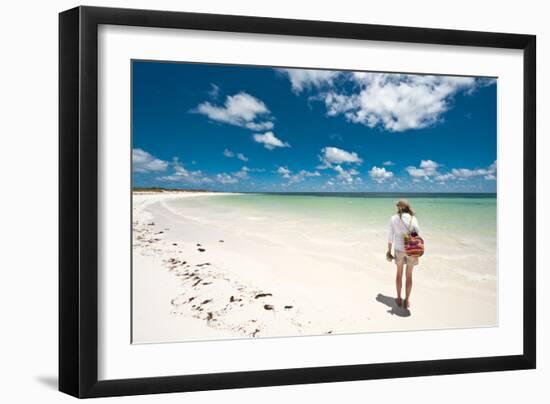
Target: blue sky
(240, 128)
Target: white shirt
(399, 227)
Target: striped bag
(414, 244)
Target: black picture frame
(78, 201)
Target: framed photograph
(250, 201)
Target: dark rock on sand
(232, 299)
(206, 301)
(288, 307)
(221, 241)
(201, 250)
(262, 295)
(268, 306)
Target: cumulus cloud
(380, 174)
(181, 174)
(242, 173)
(144, 162)
(230, 154)
(428, 168)
(397, 102)
(334, 158)
(334, 155)
(259, 126)
(296, 177)
(301, 79)
(235, 177)
(269, 140)
(442, 178)
(226, 179)
(466, 173)
(394, 102)
(241, 109)
(284, 172)
(346, 176)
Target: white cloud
(465, 173)
(428, 168)
(242, 173)
(334, 155)
(388, 163)
(442, 178)
(241, 109)
(230, 154)
(258, 126)
(181, 174)
(269, 140)
(296, 177)
(284, 172)
(214, 91)
(226, 179)
(488, 173)
(302, 174)
(301, 79)
(144, 162)
(396, 102)
(346, 176)
(334, 158)
(380, 174)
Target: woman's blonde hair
(403, 206)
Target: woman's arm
(416, 226)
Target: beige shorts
(402, 258)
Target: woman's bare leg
(408, 284)
(399, 282)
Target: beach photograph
(285, 202)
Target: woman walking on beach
(402, 224)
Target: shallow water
(459, 230)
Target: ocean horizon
(338, 193)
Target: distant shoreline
(155, 189)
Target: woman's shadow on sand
(392, 304)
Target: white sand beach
(201, 273)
